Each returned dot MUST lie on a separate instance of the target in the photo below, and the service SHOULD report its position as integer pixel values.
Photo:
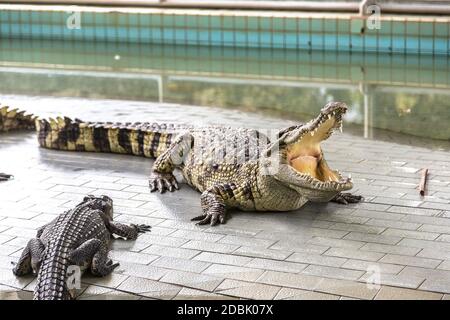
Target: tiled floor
(323, 251)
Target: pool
(398, 93)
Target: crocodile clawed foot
(346, 198)
(162, 182)
(211, 218)
(142, 228)
(5, 176)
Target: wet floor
(322, 251)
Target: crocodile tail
(13, 119)
(141, 139)
(52, 279)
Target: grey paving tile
(7, 278)
(374, 238)
(332, 272)
(437, 245)
(269, 264)
(394, 224)
(149, 288)
(445, 265)
(233, 272)
(180, 264)
(354, 254)
(296, 294)
(111, 281)
(210, 246)
(196, 235)
(247, 290)
(347, 288)
(436, 274)
(427, 220)
(358, 228)
(414, 211)
(434, 253)
(263, 253)
(392, 293)
(299, 246)
(435, 228)
(72, 189)
(192, 280)
(100, 293)
(421, 235)
(379, 214)
(222, 258)
(317, 259)
(140, 270)
(386, 248)
(442, 285)
(162, 240)
(246, 241)
(171, 252)
(370, 265)
(396, 280)
(130, 256)
(299, 281)
(340, 243)
(194, 294)
(411, 261)
(8, 293)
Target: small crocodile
(13, 119)
(78, 237)
(232, 168)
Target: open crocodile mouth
(305, 155)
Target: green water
(403, 94)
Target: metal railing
(386, 6)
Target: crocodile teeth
(312, 133)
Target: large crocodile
(78, 237)
(232, 168)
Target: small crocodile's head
(102, 203)
(303, 166)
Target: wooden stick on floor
(423, 181)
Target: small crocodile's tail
(13, 119)
(141, 139)
(52, 279)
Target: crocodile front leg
(30, 259)
(129, 232)
(346, 198)
(162, 177)
(216, 199)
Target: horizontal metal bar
(260, 5)
(409, 7)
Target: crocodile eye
(215, 166)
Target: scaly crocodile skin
(78, 237)
(12, 119)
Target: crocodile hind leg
(30, 259)
(84, 254)
(346, 198)
(93, 252)
(129, 232)
(162, 177)
(101, 265)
